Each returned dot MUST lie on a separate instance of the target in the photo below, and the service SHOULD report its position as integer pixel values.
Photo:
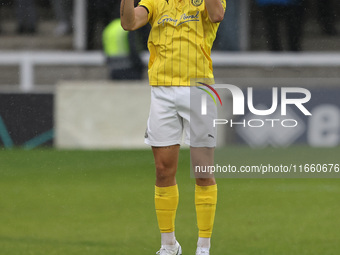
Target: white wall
(101, 115)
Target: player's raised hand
(215, 10)
(132, 18)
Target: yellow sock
(205, 201)
(166, 202)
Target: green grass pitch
(101, 202)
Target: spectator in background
(2, 3)
(228, 34)
(99, 14)
(289, 11)
(327, 16)
(63, 12)
(26, 16)
(122, 50)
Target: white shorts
(169, 118)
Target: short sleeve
(149, 5)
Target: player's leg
(202, 140)
(164, 133)
(205, 196)
(166, 195)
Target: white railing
(27, 60)
(276, 59)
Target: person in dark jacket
(291, 12)
(99, 14)
(26, 16)
(122, 51)
(327, 16)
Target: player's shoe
(202, 251)
(177, 250)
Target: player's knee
(164, 173)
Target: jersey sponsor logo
(196, 2)
(177, 22)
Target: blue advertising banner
(291, 125)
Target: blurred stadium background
(87, 186)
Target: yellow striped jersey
(180, 41)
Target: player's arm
(215, 10)
(132, 18)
